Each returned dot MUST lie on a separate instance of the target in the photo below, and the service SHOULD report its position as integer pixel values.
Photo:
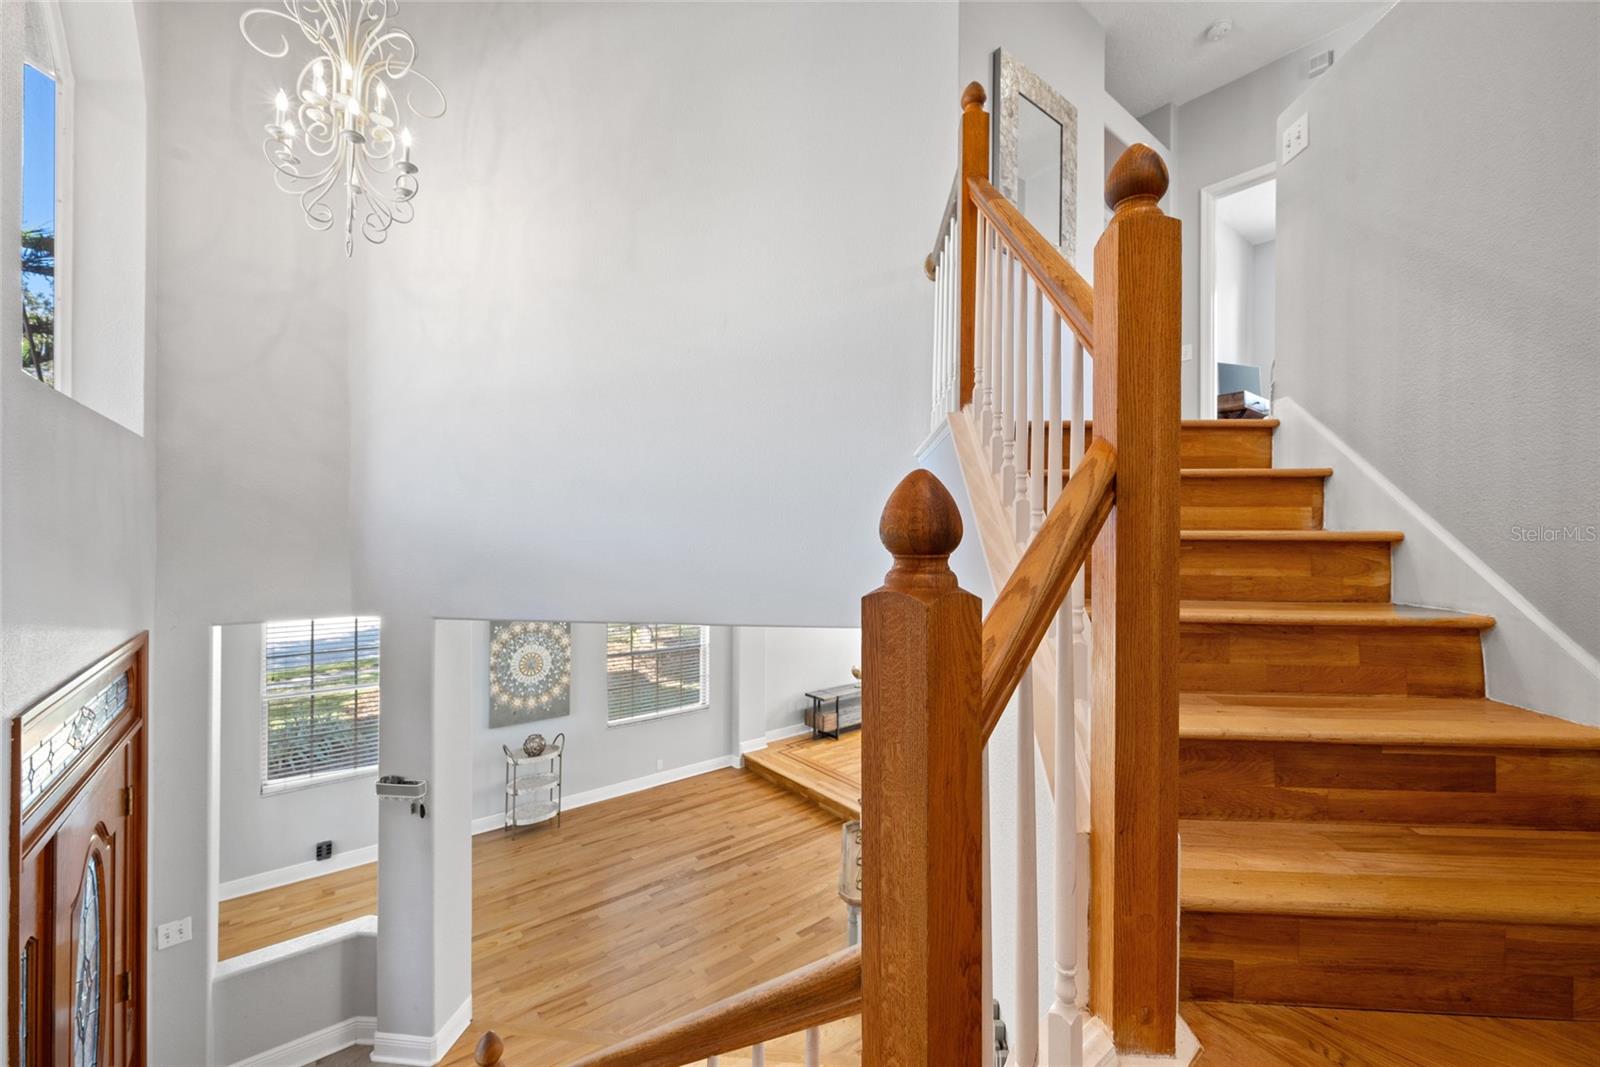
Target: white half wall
(294, 1002)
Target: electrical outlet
(1296, 136)
(660, 764)
(175, 932)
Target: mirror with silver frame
(1036, 162)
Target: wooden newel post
(922, 794)
(1134, 785)
(490, 1049)
(974, 164)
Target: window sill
(293, 785)
(656, 716)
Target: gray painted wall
(77, 489)
(598, 755)
(1224, 133)
(1439, 278)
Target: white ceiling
(1251, 213)
(1157, 53)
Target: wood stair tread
(1391, 871)
(1360, 615)
(1295, 536)
(1470, 722)
(1257, 472)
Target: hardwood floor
(631, 913)
(247, 923)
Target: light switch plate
(1296, 136)
(175, 932)
(1188, 353)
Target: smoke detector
(1219, 29)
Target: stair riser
(1457, 968)
(1314, 571)
(1266, 503)
(1415, 661)
(1223, 447)
(1309, 781)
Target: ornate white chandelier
(346, 115)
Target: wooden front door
(78, 862)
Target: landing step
(826, 771)
(1469, 722)
(1399, 918)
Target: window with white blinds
(319, 696)
(655, 669)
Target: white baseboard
(422, 1050)
(325, 1042)
(787, 731)
(497, 820)
(1528, 660)
(281, 876)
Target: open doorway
(1238, 264)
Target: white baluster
(946, 330)
(1075, 457)
(1002, 407)
(980, 308)
(1025, 1026)
(712, 1061)
(1064, 1023)
(813, 1047)
(991, 425)
(1058, 438)
(1018, 500)
(986, 976)
(1036, 424)
(758, 1055)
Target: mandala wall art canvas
(530, 671)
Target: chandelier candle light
(345, 114)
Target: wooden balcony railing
(937, 677)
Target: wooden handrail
(817, 993)
(1060, 282)
(1039, 585)
(931, 264)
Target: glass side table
(533, 785)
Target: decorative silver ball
(534, 745)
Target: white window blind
(655, 669)
(319, 696)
